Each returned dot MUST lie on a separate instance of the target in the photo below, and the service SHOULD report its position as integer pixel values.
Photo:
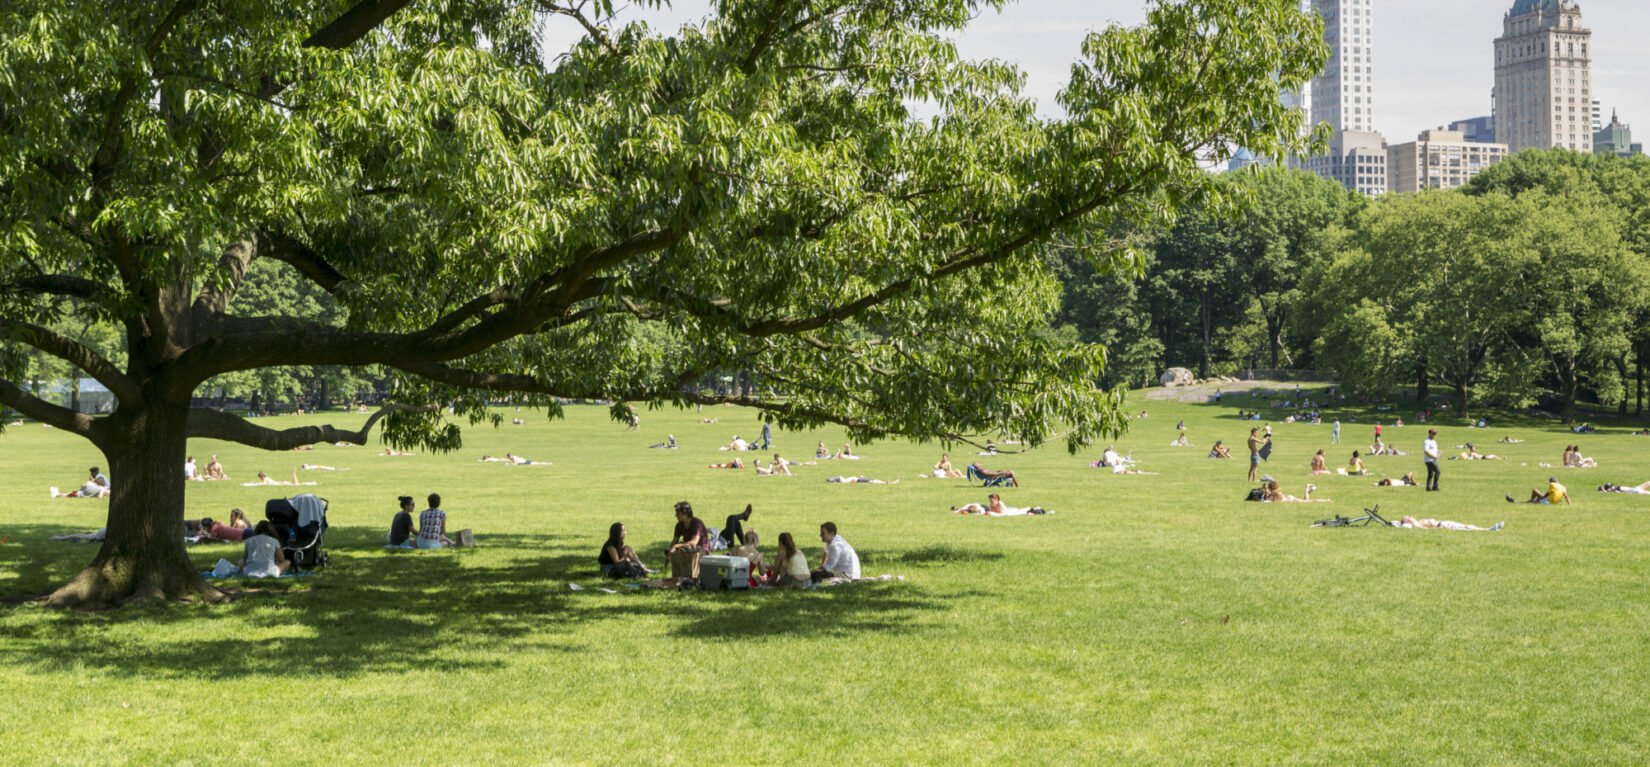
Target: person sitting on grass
(1220, 451)
(1408, 480)
(214, 470)
(790, 569)
(775, 469)
(1274, 495)
(688, 543)
(733, 464)
(1576, 460)
(668, 444)
(975, 470)
(432, 526)
(190, 472)
(1356, 466)
(859, 481)
(262, 556)
(994, 507)
(618, 560)
(1643, 489)
(737, 445)
(821, 451)
(750, 551)
(943, 470)
(1320, 466)
(213, 531)
(840, 559)
(401, 525)
(1444, 524)
(1181, 442)
(845, 454)
(1554, 493)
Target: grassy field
(1153, 619)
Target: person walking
(1335, 435)
(1429, 448)
(767, 436)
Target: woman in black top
(615, 552)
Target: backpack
(1256, 494)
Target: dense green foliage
(1151, 620)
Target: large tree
(492, 220)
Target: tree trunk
(143, 555)
(1208, 333)
(1621, 372)
(74, 393)
(324, 400)
(1569, 380)
(1462, 392)
(1421, 390)
(1638, 407)
(1274, 334)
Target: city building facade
(1439, 159)
(1543, 77)
(1616, 138)
(1344, 94)
(1478, 129)
(1356, 159)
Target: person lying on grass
(265, 479)
(1554, 493)
(790, 569)
(668, 444)
(1509, 441)
(213, 531)
(1472, 454)
(390, 452)
(1444, 524)
(994, 507)
(845, 454)
(733, 464)
(618, 560)
(262, 557)
(1408, 480)
(1126, 469)
(1274, 495)
(318, 467)
(96, 487)
(96, 536)
(859, 481)
(1643, 489)
(1219, 451)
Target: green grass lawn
(1153, 619)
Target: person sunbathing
(994, 507)
(1642, 433)
(317, 467)
(265, 479)
(213, 531)
(517, 422)
(976, 470)
(304, 447)
(346, 444)
(1579, 461)
(1124, 468)
(707, 420)
(733, 464)
(859, 481)
(668, 444)
(1356, 466)
(943, 470)
(1408, 480)
(214, 470)
(1320, 466)
(1643, 489)
(1444, 524)
(789, 462)
(1180, 442)
(775, 469)
(845, 454)
(1509, 441)
(1220, 451)
(1554, 493)
(516, 460)
(821, 451)
(1274, 495)
(391, 452)
(1472, 454)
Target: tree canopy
(488, 220)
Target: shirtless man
(214, 470)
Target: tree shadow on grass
(389, 611)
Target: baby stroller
(300, 525)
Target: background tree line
(1531, 285)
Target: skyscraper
(1543, 77)
(1344, 95)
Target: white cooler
(723, 573)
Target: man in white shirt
(1429, 448)
(840, 559)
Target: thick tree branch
(215, 297)
(45, 412)
(106, 156)
(61, 285)
(308, 263)
(74, 353)
(212, 424)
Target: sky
(1435, 58)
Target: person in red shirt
(218, 531)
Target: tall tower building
(1344, 95)
(1543, 77)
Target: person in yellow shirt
(1554, 493)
